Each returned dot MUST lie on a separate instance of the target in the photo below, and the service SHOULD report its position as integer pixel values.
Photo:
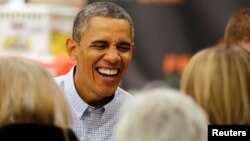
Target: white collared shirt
(88, 123)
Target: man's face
(103, 55)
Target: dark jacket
(34, 132)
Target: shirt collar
(77, 104)
(112, 106)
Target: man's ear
(71, 46)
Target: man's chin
(108, 92)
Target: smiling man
(102, 45)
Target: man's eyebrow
(99, 42)
(124, 43)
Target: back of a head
(29, 94)
(218, 79)
(98, 9)
(238, 27)
(162, 114)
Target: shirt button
(90, 109)
(89, 136)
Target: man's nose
(112, 55)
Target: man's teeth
(108, 71)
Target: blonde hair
(162, 114)
(28, 94)
(219, 80)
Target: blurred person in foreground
(218, 78)
(161, 114)
(32, 106)
(238, 29)
(101, 45)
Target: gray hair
(162, 114)
(102, 9)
